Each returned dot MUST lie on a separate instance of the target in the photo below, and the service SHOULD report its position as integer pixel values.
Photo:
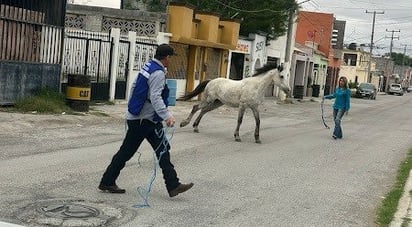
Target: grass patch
(389, 205)
(45, 100)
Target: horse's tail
(199, 89)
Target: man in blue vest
(147, 109)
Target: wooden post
(191, 68)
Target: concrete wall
(19, 79)
(93, 16)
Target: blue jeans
(337, 117)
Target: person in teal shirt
(341, 106)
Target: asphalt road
(50, 166)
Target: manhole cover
(68, 209)
(71, 212)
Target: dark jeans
(138, 130)
(337, 117)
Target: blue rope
(144, 192)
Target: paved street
(50, 166)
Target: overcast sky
(397, 16)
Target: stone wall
(101, 19)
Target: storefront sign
(243, 46)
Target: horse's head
(280, 80)
(272, 70)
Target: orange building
(317, 29)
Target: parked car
(395, 89)
(409, 89)
(366, 90)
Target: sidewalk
(404, 210)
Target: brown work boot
(111, 188)
(180, 189)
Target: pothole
(72, 212)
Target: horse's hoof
(238, 140)
(183, 124)
(258, 141)
(196, 130)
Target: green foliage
(156, 6)
(389, 205)
(256, 16)
(45, 100)
(269, 17)
(353, 85)
(401, 59)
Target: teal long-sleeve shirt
(342, 100)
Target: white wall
(258, 55)
(101, 3)
(277, 48)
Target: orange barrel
(78, 92)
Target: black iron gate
(92, 57)
(122, 69)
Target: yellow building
(202, 41)
(355, 67)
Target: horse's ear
(280, 68)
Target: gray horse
(246, 93)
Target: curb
(403, 212)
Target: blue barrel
(172, 85)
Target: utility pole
(404, 52)
(391, 48)
(392, 37)
(291, 21)
(289, 45)
(371, 45)
(289, 35)
(403, 62)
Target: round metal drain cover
(72, 212)
(69, 209)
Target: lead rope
(322, 112)
(144, 192)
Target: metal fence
(91, 53)
(144, 50)
(87, 53)
(30, 32)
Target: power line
(252, 11)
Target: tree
(401, 59)
(267, 16)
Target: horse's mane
(265, 68)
